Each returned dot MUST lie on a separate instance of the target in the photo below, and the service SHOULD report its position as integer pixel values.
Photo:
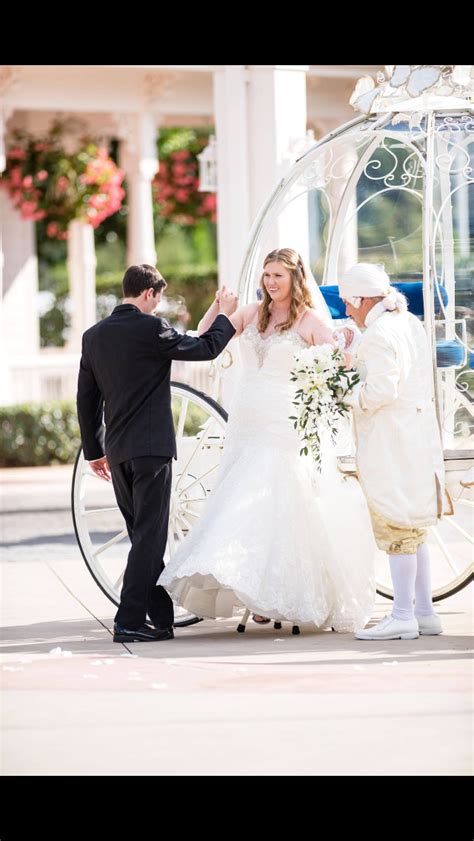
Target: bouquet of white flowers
(322, 383)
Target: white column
(260, 112)
(139, 159)
(277, 119)
(277, 127)
(233, 197)
(19, 310)
(81, 272)
(5, 387)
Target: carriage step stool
(295, 629)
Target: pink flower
(26, 184)
(164, 192)
(97, 201)
(117, 177)
(15, 176)
(179, 169)
(27, 209)
(185, 181)
(62, 184)
(52, 229)
(182, 195)
(209, 202)
(17, 154)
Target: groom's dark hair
(138, 278)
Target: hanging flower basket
(176, 189)
(46, 183)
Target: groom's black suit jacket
(126, 364)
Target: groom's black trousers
(143, 488)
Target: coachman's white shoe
(390, 628)
(430, 625)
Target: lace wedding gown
(276, 536)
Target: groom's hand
(228, 302)
(100, 467)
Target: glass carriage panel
(452, 240)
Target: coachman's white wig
(370, 280)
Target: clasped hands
(227, 301)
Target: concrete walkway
(211, 701)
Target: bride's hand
(228, 302)
(348, 334)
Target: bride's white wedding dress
(276, 536)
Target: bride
(277, 537)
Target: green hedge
(34, 434)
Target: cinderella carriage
(394, 186)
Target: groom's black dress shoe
(143, 634)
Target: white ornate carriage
(395, 185)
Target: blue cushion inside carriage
(449, 353)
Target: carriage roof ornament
(415, 87)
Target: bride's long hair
(300, 294)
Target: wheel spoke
(100, 510)
(196, 481)
(199, 444)
(118, 537)
(183, 519)
(190, 513)
(118, 583)
(445, 551)
(459, 528)
(179, 530)
(182, 417)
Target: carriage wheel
(200, 425)
(450, 541)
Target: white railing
(52, 375)
(199, 375)
(46, 376)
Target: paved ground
(210, 701)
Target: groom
(399, 455)
(125, 364)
